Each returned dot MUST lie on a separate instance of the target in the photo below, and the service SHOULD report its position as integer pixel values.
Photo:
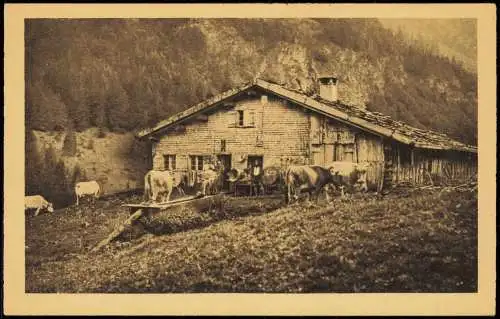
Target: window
(169, 162)
(240, 118)
(244, 118)
(196, 162)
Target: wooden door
(318, 156)
(329, 153)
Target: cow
(349, 175)
(179, 182)
(91, 188)
(37, 202)
(210, 179)
(156, 183)
(309, 178)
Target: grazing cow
(156, 183)
(37, 202)
(349, 175)
(91, 188)
(310, 178)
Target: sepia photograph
(277, 155)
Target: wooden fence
(435, 171)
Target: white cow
(37, 202)
(349, 174)
(91, 188)
(210, 178)
(158, 183)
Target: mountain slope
(453, 38)
(126, 74)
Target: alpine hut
(274, 125)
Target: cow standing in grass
(349, 175)
(83, 189)
(158, 183)
(37, 202)
(309, 178)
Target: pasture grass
(421, 241)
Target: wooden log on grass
(117, 232)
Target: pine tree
(78, 175)
(49, 176)
(70, 145)
(33, 166)
(61, 187)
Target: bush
(90, 144)
(78, 175)
(319, 56)
(101, 133)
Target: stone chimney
(328, 88)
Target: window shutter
(153, 149)
(251, 118)
(233, 119)
(165, 162)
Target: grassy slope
(115, 160)
(416, 242)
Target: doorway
(253, 159)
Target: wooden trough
(137, 211)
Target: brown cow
(309, 178)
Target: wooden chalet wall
(332, 140)
(272, 128)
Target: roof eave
(464, 148)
